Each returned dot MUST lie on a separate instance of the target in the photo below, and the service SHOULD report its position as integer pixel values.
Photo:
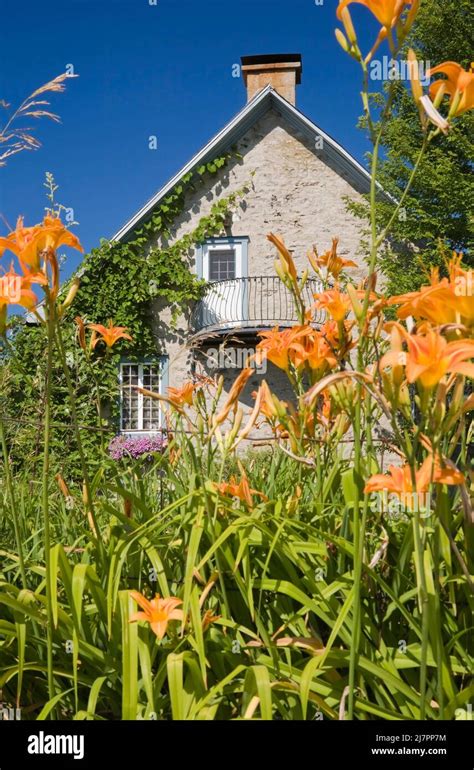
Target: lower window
(139, 412)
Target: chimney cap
(274, 58)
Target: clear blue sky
(163, 70)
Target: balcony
(249, 304)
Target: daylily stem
(358, 524)
(407, 189)
(72, 402)
(50, 320)
(11, 495)
(357, 533)
(424, 608)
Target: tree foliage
(437, 215)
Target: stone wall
(294, 193)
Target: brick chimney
(281, 71)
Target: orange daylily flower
(430, 357)
(459, 85)
(461, 298)
(318, 353)
(330, 260)
(399, 481)
(180, 396)
(241, 489)
(109, 334)
(442, 301)
(31, 244)
(158, 612)
(280, 347)
(430, 302)
(337, 304)
(208, 618)
(387, 12)
(16, 289)
(455, 267)
(177, 397)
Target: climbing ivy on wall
(119, 280)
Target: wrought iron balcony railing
(250, 303)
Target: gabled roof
(333, 152)
(335, 155)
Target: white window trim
(162, 362)
(237, 243)
(209, 248)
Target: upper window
(139, 412)
(223, 259)
(221, 264)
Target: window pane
(140, 412)
(130, 411)
(129, 397)
(151, 408)
(221, 264)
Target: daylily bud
(81, 332)
(404, 397)
(62, 485)
(239, 415)
(348, 26)
(199, 424)
(292, 502)
(411, 16)
(378, 329)
(458, 404)
(356, 306)
(341, 39)
(313, 257)
(468, 406)
(280, 407)
(414, 71)
(3, 319)
(341, 425)
(69, 500)
(279, 271)
(440, 407)
(458, 395)
(304, 278)
(439, 95)
(71, 293)
(455, 104)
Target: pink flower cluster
(136, 447)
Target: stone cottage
(300, 180)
